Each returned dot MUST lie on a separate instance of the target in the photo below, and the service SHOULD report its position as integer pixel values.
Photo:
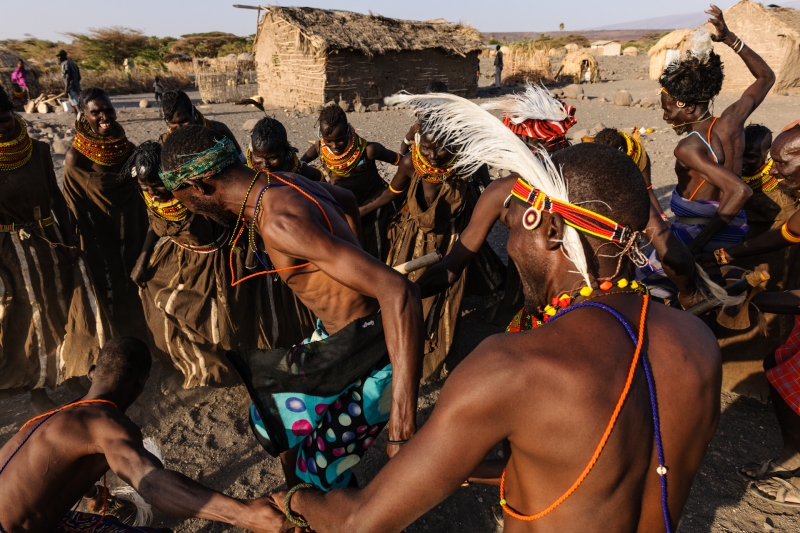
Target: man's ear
(553, 226)
(90, 373)
(198, 185)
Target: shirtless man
(364, 359)
(710, 194)
(549, 393)
(57, 458)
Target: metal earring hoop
(680, 104)
(531, 218)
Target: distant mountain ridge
(673, 22)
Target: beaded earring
(531, 218)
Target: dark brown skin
(549, 393)
(338, 139)
(342, 284)
(438, 155)
(754, 160)
(57, 202)
(181, 119)
(695, 162)
(70, 452)
(102, 119)
(678, 263)
(786, 166)
(405, 146)
(274, 160)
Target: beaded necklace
(105, 151)
(427, 171)
(524, 321)
(343, 164)
(633, 147)
(17, 152)
(172, 210)
(762, 179)
(292, 166)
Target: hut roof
(370, 34)
(8, 59)
(670, 41)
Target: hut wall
(289, 74)
(765, 33)
(350, 74)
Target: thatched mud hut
(578, 67)
(524, 63)
(667, 49)
(773, 32)
(307, 57)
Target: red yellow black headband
(575, 216)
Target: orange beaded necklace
(427, 171)
(343, 164)
(105, 151)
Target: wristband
(397, 442)
(664, 217)
(287, 509)
(788, 236)
(720, 257)
(649, 188)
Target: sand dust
(205, 434)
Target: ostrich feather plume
(485, 140)
(536, 103)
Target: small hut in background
(669, 48)
(773, 32)
(572, 47)
(606, 48)
(578, 67)
(307, 57)
(524, 63)
(226, 79)
(631, 51)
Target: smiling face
(7, 126)
(434, 151)
(101, 116)
(338, 139)
(786, 158)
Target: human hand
(265, 516)
(139, 272)
(277, 499)
(721, 31)
(706, 259)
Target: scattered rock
(346, 107)
(572, 91)
(637, 102)
(581, 97)
(578, 134)
(604, 99)
(360, 108)
(60, 146)
(144, 103)
(46, 131)
(785, 94)
(374, 107)
(623, 98)
(650, 102)
(250, 124)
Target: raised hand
(721, 31)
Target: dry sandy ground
(205, 434)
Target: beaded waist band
(207, 248)
(10, 228)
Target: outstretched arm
(487, 211)
(378, 152)
(139, 273)
(648, 181)
(302, 233)
(735, 192)
(311, 154)
(767, 242)
(677, 261)
(405, 146)
(765, 77)
(448, 448)
(171, 492)
(398, 185)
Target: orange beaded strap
(234, 281)
(609, 428)
(57, 409)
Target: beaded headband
(681, 103)
(578, 217)
(202, 165)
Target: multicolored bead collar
(172, 210)
(633, 147)
(105, 151)
(17, 152)
(343, 164)
(292, 165)
(762, 180)
(426, 170)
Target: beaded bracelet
(721, 257)
(287, 509)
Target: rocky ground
(204, 433)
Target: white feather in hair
(702, 45)
(144, 513)
(485, 140)
(536, 103)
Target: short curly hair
(693, 81)
(143, 164)
(174, 101)
(610, 137)
(185, 143)
(269, 134)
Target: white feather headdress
(702, 46)
(536, 103)
(485, 140)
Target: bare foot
(41, 402)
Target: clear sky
(48, 19)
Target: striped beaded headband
(575, 216)
(202, 165)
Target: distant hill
(592, 35)
(673, 22)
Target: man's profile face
(674, 115)
(525, 248)
(786, 157)
(197, 201)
